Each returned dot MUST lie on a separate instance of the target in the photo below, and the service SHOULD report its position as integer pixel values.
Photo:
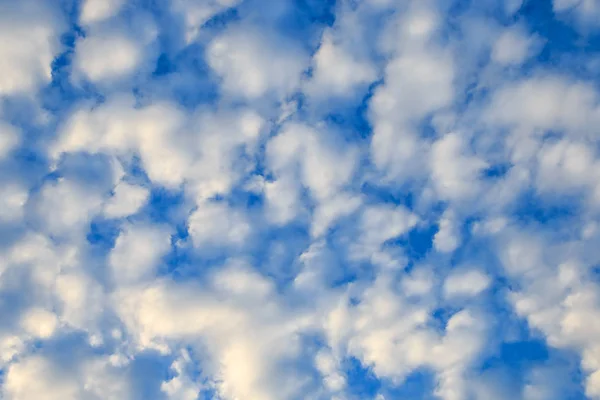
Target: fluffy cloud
(127, 199)
(280, 200)
(97, 10)
(253, 63)
(27, 52)
(513, 46)
(109, 57)
(137, 252)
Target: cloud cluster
(246, 199)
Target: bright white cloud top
(292, 200)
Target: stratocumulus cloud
(289, 200)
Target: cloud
(110, 57)
(583, 11)
(281, 200)
(9, 139)
(137, 252)
(337, 72)
(466, 283)
(36, 377)
(93, 11)
(216, 224)
(30, 34)
(126, 200)
(197, 12)
(513, 46)
(252, 63)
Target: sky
(299, 199)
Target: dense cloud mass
(299, 200)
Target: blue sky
(282, 200)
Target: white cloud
(181, 386)
(418, 81)
(247, 333)
(137, 252)
(66, 208)
(447, 238)
(336, 72)
(30, 40)
(126, 200)
(555, 294)
(107, 57)
(466, 283)
(564, 166)
(98, 10)
(173, 147)
(391, 335)
(586, 12)
(37, 378)
(216, 224)
(197, 12)
(119, 129)
(242, 329)
(9, 139)
(379, 223)
(330, 210)
(546, 102)
(81, 299)
(455, 172)
(324, 168)
(12, 200)
(329, 367)
(252, 63)
(283, 202)
(513, 46)
(39, 323)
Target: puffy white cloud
(390, 334)
(98, 10)
(455, 172)
(30, 32)
(81, 299)
(338, 206)
(566, 165)
(12, 199)
(252, 63)
(9, 139)
(513, 46)
(436, 121)
(467, 283)
(107, 57)
(37, 377)
(39, 323)
(283, 202)
(586, 12)
(555, 294)
(382, 222)
(197, 12)
(418, 81)
(216, 224)
(248, 334)
(546, 102)
(447, 238)
(66, 208)
(181, 386)
(324, 167)
(173, 147)
(137, 253)
(117, 128)
(329, 367)
(337, 72)
(126, 200)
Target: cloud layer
(248, 199)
